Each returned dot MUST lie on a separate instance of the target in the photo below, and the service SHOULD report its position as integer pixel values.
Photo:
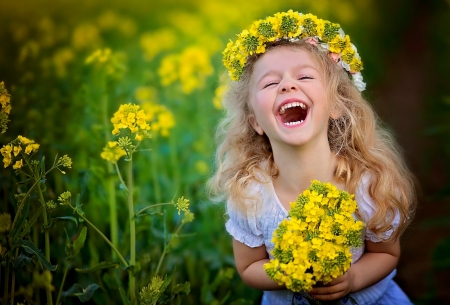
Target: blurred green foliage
(168, 53)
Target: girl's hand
(336, 289)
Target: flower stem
(113, 222)
(21, 205)
(152, 206)
(113, 225)
(124, 262)
(120, 177)
(62, 283)
(13, 280)
(132, 220)
(154, 169)
(5, 297)
(161, 258)
(47, 240)
(174, 164)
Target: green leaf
(87, 292)
(21, 260)
(111, 279)
(78, 206)
(124, 298)
(166, 282)
(100, 266)
(79, 242)
(66, 218)
(182, 288)
(83, 295)
(30, 223)
(21, 221)
(30, 248)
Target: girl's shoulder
(368, 207)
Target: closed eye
(305, 77)
(270, 84)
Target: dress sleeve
(367, 209)
(244, 228)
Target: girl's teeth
(294, 123)
(290, 105)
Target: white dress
(256, 229)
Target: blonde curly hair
(356, 137)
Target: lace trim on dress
(243, 236)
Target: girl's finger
(327, 297)
(329, 290)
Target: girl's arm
(375, 264)
(249, 264)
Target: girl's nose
(288, 85)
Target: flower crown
(294, 26)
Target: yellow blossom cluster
(218, 96)
(150, 293)
(162, 119)
(16, 147)
(5, 107)
(112, 152)
(165, 39)
(313, 244)
(111, 62)
(133, 119)
(182, 204)
(191, 68)
(289, 25)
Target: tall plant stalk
(113, 223)
(47, 239)
(156, 186)
(62, 284)
(132, 283)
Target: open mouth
(293, 113)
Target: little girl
(294, 113)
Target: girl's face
(288, 98)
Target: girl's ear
(252, 120)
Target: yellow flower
(112, 153)
(6, 150)
(191, 68)
(131, 117)
(17, 150)
(6, 161)
(155, 42)
(29, 149)
(85, 36)
(5, 108)
(182, 204)
(145, 93)
(65, 161)
(24, 140)
(313, 243)
(18, 164)
(150, 293)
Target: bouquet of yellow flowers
(313, 244)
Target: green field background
(168, 53)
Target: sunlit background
(68, 65)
